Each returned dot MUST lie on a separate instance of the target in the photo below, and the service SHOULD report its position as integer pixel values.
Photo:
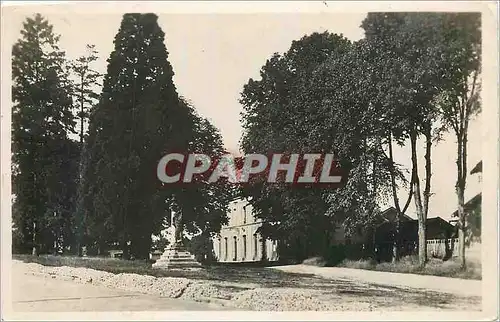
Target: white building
(238, 241)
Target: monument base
(176, 257)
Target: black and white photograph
(250, 160)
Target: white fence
(442, 247)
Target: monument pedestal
(176, 257)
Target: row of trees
(103, 190)
(413, 77)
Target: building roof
(478, 168)
(469, 204)
(436, 228)
(389, 215)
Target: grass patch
(258, 275)
(112, 265)
(409, 264)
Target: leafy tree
(268, 125)
(430, 69)
(411, 72)
(202, 248)
(341, 118)
(160, 244)
(201, 206)
(41, 122)
(312, 105)
(459, 100)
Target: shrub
(336, 255)
(360, 264)
(409, 264)
(315, 261)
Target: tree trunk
(141, 240)
(427, 191)
(54, 247)
(79, 249)
(428, 169)
(102, 246)
(461, 228)
(34, 250)
(399, 212)
(80, 228)
(373, 246)
(264, 250)
(395, 243)
(125, 248)
(460, 190)
(422, 243)
(81, 109)
(141, 247)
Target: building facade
(239, 241)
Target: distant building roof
(436, 228)
(390, 215)
(478, 168)
(472, 203)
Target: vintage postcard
(218, 160)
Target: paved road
(41, 294)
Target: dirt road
(43, 294)
(449, 285)
(63, 288)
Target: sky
(214, 55)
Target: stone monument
(176, 256)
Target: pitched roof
(469, 204)
(478, 168)
(390, 215)
(436, 228)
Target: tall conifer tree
(43, 155)
(137, 120)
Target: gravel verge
(172, 287)
(264, 299)
(289, 299)
(304, 295)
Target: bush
(315, 261)
(201, 247)
(336, 255)
(359, 264)
(409, 264)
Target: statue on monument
(175, 255)
(175, 229)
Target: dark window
(235, 248)
(255, 246)
(225, 248)
(220, 249)
(244, 246)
